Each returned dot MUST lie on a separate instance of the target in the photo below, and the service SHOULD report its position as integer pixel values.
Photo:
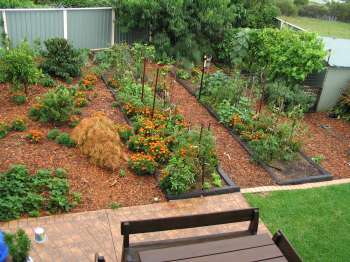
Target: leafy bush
(61, 59)
(342, 108)
(18, 66)
(53, 133)
(178, 177)
(47, 81)
(22, 193)
(183, 74)
(199, 26)
(287, 7)
(284, 97)
(19, 245)
(296, 56)
(142, 164)
(18, 124)
(80, 99)
(16, 3)
(4, 129)
(65, 139)
(56, 106)
(219, 86)
(18, 98)
(97, 137)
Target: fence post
(4, 20)
(113, 27)
(65, 25)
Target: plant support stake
(201, 85)
(143, 79)
(155, 92)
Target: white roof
(340, 51)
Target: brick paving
(78, 236)
(295, 187)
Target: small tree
(19, 68)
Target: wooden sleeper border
(325, 175)
(230, 186)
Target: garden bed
(300, 170)
(99, 188)
(228, 187)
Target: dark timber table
(242, 249)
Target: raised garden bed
(228, 187)
(300, 170)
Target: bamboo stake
(155, 92)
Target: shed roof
(340, 54)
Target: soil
(99, 187)
(331, 138)
(234, 160)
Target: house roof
(340, 54)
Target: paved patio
(78, 236)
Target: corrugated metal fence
(91, 28)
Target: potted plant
(19, 245)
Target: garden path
(77, 236)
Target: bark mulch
(331, 138)
(233, 158)
(99, 187)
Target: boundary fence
(92, 28)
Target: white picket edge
(55, 9)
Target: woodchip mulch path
(99, 187)
(331, 138)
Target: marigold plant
(89, 81)
(143, 164)
(35, 136)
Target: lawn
(316, 221)
(322, 27)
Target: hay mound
(97, 137)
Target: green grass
(316, 221)
(322, 27)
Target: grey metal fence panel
(129, 37)
(90, 28)
(34, 24)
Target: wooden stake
(201, 85)
(143, 79)
(155, 93)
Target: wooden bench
(239, 246)
(131, 251)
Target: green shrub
(18, 125)
(22, 193)
(178, 176)
(65, 139)
(285, 97)
(47, 81)
(61, 59)
(18, 66)
(342, 108)
(287, 7)
(4, 129)
(56, 106)
(53, 133)
(18, 99)
(183, 74)
(19, 245)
